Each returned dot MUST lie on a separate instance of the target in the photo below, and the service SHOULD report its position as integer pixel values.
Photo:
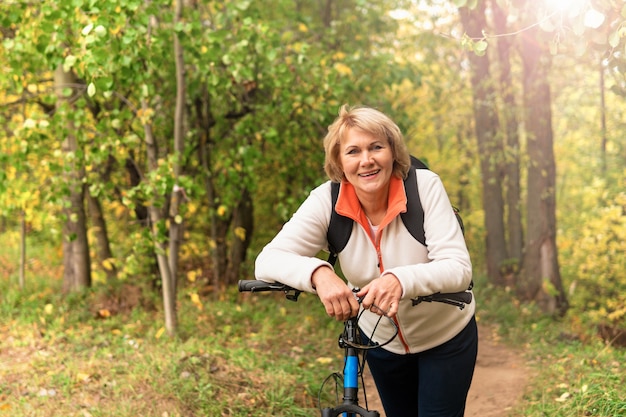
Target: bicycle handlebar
(457, 299)
(254, 285)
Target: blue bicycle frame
(350, 406)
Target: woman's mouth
(369, 174)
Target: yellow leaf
(303, 28)
(145, 115)
(323, 360)
(159, 333)
(195, 299)
(48, 309)
(10, 172)
(192, 275)
(104, 313)
(240, 232)
(343, 69)
(82, 377)
(221, 210)
(108, 264)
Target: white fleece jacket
(442, 266)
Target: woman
(427, 369)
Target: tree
(490, 148)
(541, 278)
(229, 121)
(77, 265)
(512, 148)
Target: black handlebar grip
(255, 285)
(246, 285)
(463, 296)
(466, 296)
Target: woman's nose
(366, 158)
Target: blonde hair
(371, 121)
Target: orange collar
(348, 203)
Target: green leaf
(480, 47)
(100, 31)
(69, 62)
(87, 29)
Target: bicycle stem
(350, 406)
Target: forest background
(153, 147)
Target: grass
(240, 356)
(243, 355)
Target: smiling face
(367, 163)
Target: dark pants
(433, 383)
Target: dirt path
(499, 379)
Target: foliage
(596, 262)
(262, 85)
(591, 211)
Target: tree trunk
(176, 222)
(219, 223)
(205, 122)
(156, 220)
(103, 247)
(540, 275)
(243, 227)
(515, 238)
(489, 145)
(160, 246)
(76, 262)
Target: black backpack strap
(413, 217)
(417, 163)
(339, 228)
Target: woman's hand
(382, 295)
(336, 296)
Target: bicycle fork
(350, 406)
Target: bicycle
(350, 341)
